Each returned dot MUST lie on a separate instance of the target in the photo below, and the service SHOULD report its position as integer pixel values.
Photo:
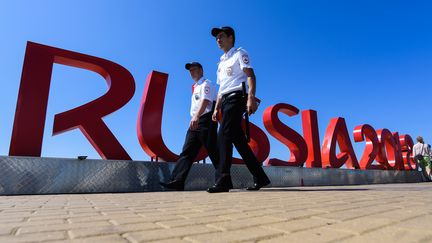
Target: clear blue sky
(367, 61)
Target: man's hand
(251, 105)
(193, 123)
(214, 115)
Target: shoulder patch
(245, 58)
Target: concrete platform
(29, 175)
(365, 213)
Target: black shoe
(257, 185)
(224, 182)
(176, 185)
(217, 189)
(230, 185)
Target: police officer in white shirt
(202, 130)
(233, 69)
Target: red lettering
(390, 150)
(32, 102)
(398, 152)
(387, 153)
(407, 145)
(337, 132)
(285, 135)
(311, 137)
(367, 132)
(149, 124)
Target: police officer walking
(233, 69)
(202, 130)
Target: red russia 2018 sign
(390, 149)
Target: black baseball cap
(228, 30)
(192, 64)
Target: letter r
(29, 123)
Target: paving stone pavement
(364, 213)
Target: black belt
(232, 94)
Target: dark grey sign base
(32, 175)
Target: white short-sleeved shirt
(202, 90)
(421, 148)
(230, 73)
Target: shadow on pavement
(312, 190)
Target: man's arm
(429, 151)
(194, 121)
(251, 105)
(217, 107)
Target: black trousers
(205, 135)
(231, 132)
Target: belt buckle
(232, 94)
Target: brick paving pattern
(365, 213)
